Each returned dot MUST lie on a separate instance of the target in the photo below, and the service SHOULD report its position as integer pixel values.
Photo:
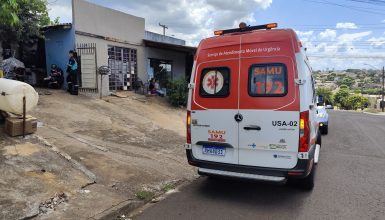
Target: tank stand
(24, 116)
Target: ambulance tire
(319, 139)
(325, 129)
(308, 182)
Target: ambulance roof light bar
(243, 27)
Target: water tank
(12, 93)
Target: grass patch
(372, 110)
(144, 195)
(167, 187)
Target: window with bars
(123, 65)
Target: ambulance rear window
(268, 80)
(215, 82)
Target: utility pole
(383, 84)
(164, 28)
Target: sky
(338, 34)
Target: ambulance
(251, 109)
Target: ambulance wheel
(319, 139)
(308, 182)
(325, 130)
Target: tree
(344, 86)
(326, 94)
(21, 21)
(355, 101)
(8, 15)
(330, 77)
(346, 81)
(22, 25)
(340, 96)
(31, 15)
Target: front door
(269, 131)
(214, 130)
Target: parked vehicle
(329, 107)
(252, 107)
(323, 119)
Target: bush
(326, 94)
(178, 91)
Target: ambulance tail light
(188, 136)
(304, 132)
(218, 32)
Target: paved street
(350, 183)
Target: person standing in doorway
(72, 73)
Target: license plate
(218, 151)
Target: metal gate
(123, 65)
(88, 66)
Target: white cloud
(194, 20)
(377, 42)
(61, 9)
(346, 25)
(328, 34)
(304, 33)
(346, 38)
(190, 20)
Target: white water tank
(12, 93)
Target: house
(106, 37)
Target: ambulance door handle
(252, 127)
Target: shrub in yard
(145, 195)
(177, 92)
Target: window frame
(250, 72)
(208, 69)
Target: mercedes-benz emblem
(238, 117)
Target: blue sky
(338, 34)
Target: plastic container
(12, 93)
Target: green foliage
(344, 87)
(8, 14)
(355, 101)
(145, 195)
(372, 91)
(330, 77)
(178, 92)
(168, 187)
(345, 100)
(326, 94)
(348, 81)
(21, 20)
(340, 97)
(55, 21)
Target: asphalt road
(350, 183)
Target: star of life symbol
(213, 82)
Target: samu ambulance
(252, 107)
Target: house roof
(57, 26)
(161, 45)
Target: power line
(371, 2)
(356, 8)
(346, 57)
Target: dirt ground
(90, 155)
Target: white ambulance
(252, 107)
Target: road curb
(378, 114)
(118, 210)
